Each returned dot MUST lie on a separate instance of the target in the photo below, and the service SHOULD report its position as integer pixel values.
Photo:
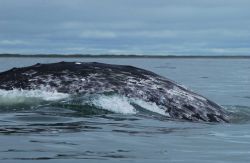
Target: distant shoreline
(116, 56)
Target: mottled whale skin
(92, 77)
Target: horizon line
(2, 55)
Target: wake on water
(113, 103)
(94, 104)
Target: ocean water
(34, 127)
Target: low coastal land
(120, 56)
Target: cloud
(176, 27)
(13, 42)
(98, 34)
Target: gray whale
(129, 81)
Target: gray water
(54, 134)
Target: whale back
(97, 78)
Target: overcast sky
(162, 27)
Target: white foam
(151, 106)
(122, 104)
(114, 103)
(22, 96)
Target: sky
(148, 27)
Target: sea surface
(35, 127)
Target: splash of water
(114, 103)
(11, 100)
(16, 96)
